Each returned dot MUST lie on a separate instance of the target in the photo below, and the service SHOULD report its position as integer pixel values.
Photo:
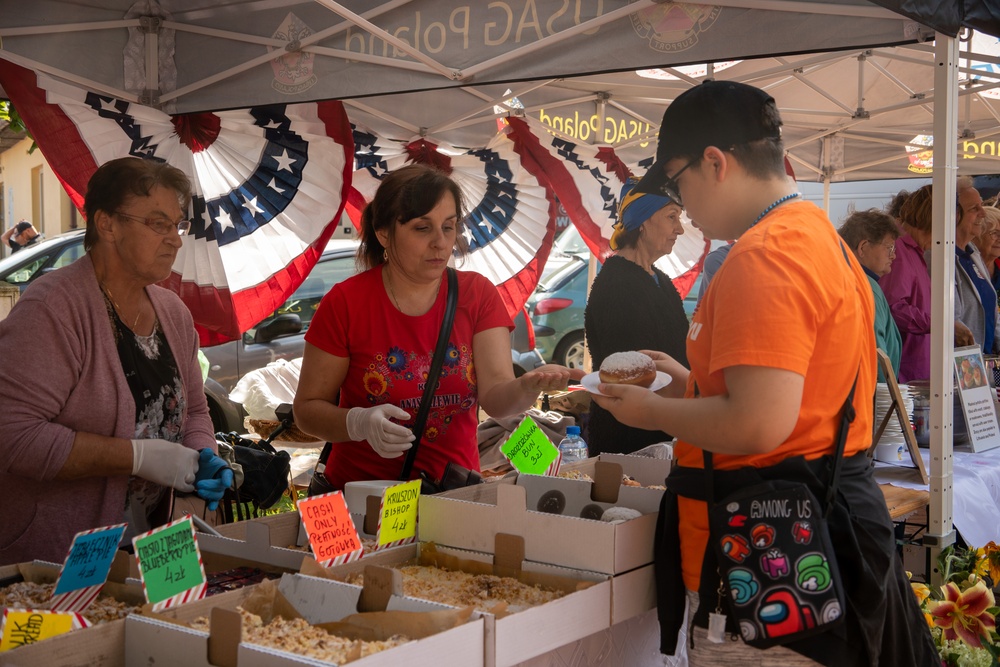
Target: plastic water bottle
(572, 447)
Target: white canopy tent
(860, 87)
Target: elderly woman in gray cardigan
(104, 412)
(975, 298)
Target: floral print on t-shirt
(399, 372)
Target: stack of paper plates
(892, 440)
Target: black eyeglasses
(670, 187)
(161, 226)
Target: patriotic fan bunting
(511, 216)
(588, 180)
(269, 186)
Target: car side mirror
(282, 325)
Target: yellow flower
(921, 591)
(963, 614)
(374, 383)
(992, 558)
(982, 565)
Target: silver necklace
(118, 308)
(388, 283)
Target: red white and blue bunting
(510, 219)
(269, 186)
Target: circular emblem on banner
(670, 27)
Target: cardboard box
(523, 635)
(470, 518)
(160, 639)
(99, 645)
(268, 542)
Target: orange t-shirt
(788, 296)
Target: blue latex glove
(213, 478)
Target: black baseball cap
(713, 113)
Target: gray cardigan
(60, 373)
(969, 306)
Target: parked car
(691, 300)
(556, 308)
(281, 335)
(24, 266)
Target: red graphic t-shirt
(390, 354)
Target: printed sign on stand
(21, 627)
(170, 564)
(977, 398)
(332, 535)
(86, 568)
(397, 515)
(530, 451)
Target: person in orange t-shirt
(784, 331)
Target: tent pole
(150, 27)
(826, 175)
(941, 533)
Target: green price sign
(530, 451)
(170, 564)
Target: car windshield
(559, 277)
(570, 242)
(54, 253)
(331, 269)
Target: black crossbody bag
(320, 484)
(777, 567)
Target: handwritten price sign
(332, 535)
(170, 564)
(397, 516)
(530, 451)
(21, 627)
(86, 568)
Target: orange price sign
(332, 535)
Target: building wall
(32, 192)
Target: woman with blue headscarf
(634, 306)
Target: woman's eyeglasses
(161, 226)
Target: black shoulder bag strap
(846, 419)
(432, 373)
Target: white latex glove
(387, 438)
(165, 463)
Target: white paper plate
(591, 381)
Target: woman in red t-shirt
(373, 337)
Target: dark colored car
(556, 309)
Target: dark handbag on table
(454, 474)
(776, 562)
(265, 472)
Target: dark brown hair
(872, 225)
(896, 204)
(117, 181)
(916, 210)
(405, 194)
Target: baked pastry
(628, 368)
(485, 592)
(28, 595)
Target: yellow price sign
(28, 626)
(397, 517)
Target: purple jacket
(60, 373)
(907, 288)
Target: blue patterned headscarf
(635, 208)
